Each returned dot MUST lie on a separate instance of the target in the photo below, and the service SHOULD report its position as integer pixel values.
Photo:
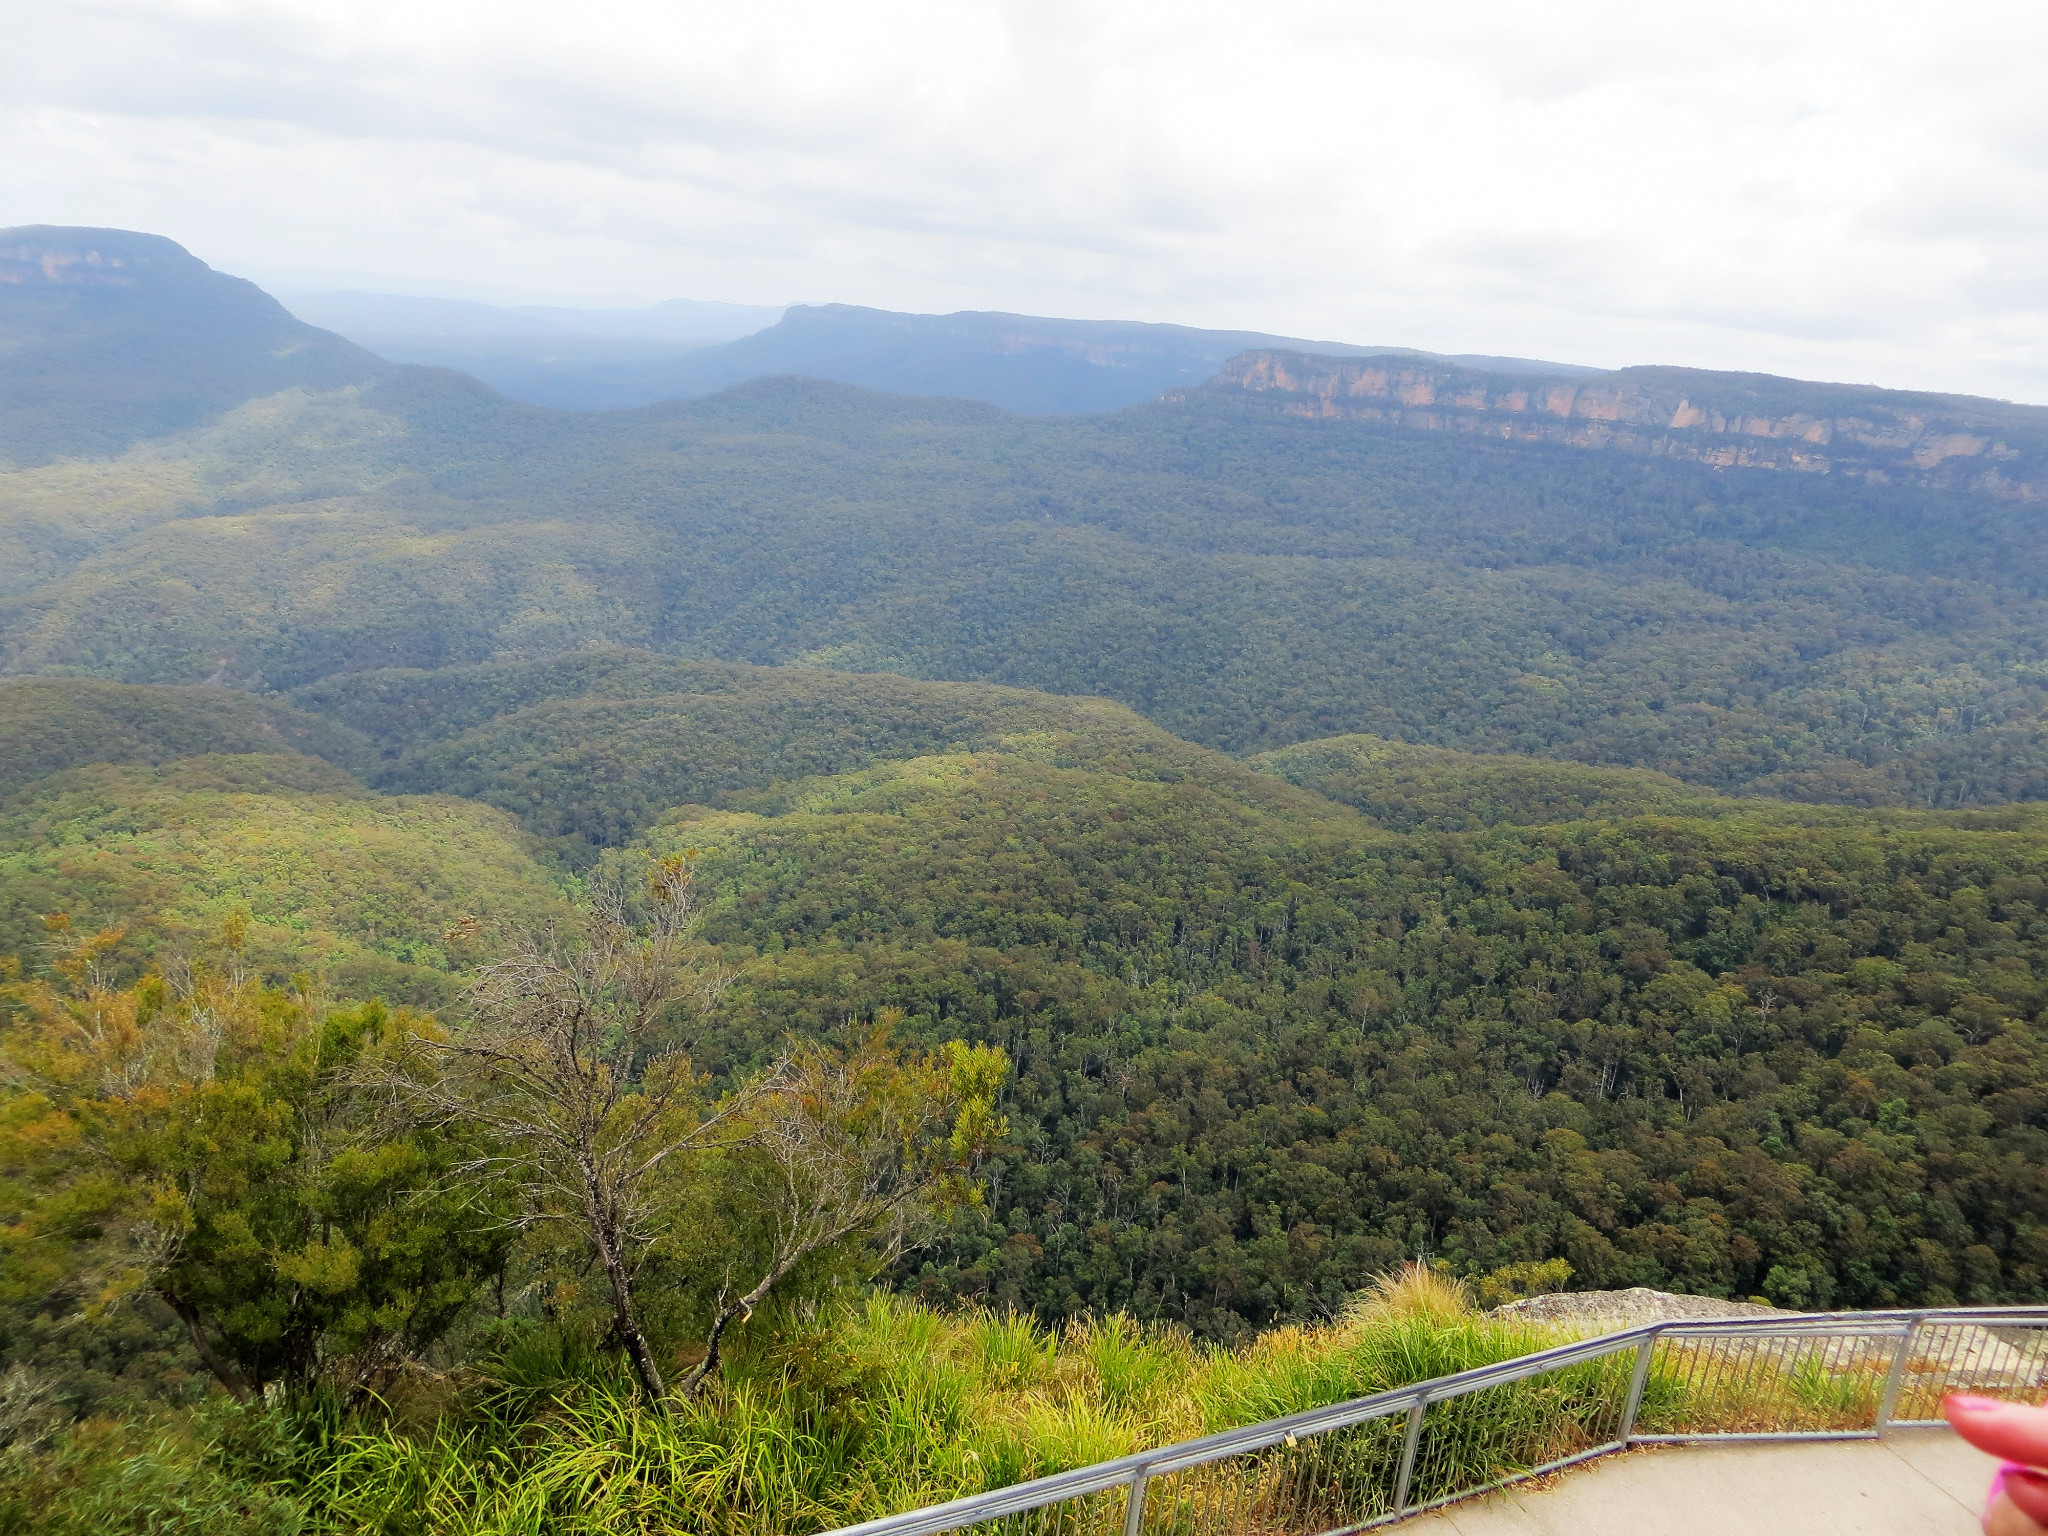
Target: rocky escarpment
(1752, 421)
(107, 336)
(1596, 1312)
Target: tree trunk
(209, 1357)
(628, 1325)
(741, 1309)
(706, 1368)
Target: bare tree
(594, 1118)
(861, 1145)
(564, 1064)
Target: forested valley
(1042, 915)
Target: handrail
(1134, 1472)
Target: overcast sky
(1853, 191)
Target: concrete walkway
(1922, 1482)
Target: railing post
(1638, 1379)
(1134, 1505)
(1896, 1376)
(1408, 1444)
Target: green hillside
(48, 724)
(1413, 789)
(111, 336)
(1157, 874)
(1242, 580)
(592, 747)
(355, 888)
(1263, 1053)
(169, 812)
(1265, 1045)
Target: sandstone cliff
(1751, 421)
(110, 336)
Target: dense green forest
(1075, 901)
(1242, 580)
(1411, 788)
(589, 749)
(1266, 1044)
(1262, 1046)
(1263, 1053)
(164, 812)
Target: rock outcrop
(1729, 420)
(108, 336)
(1596, 1312)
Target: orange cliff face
(1726, 420)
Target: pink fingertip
(1971, 1402)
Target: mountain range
(1381, 804)
(598, 359)
(108, 336)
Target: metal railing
(1373, 1460)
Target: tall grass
(870, 1407)
(217, 1470)
(886, 1405)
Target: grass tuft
(878, 1405)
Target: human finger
(2011, 1431)
(2028, 1490)
(2005, 1518)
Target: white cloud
(1833, 189)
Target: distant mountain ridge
(552, 355)
(597, 359)
(108, 336)
(1333, 815)
(1248, 567)
(1030, 364)
(112, 336)
(1727, 420)
(352, 313)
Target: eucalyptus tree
(570, 1065)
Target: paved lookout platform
(1920, 1482)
